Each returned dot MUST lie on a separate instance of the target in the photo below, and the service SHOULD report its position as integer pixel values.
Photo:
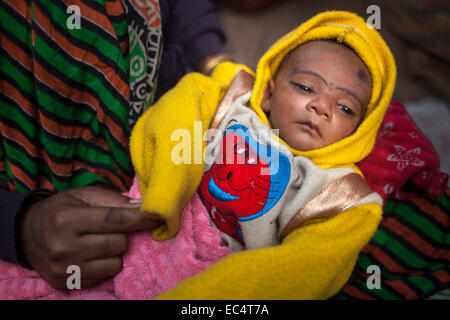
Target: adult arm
(199, 28)
(192, 32)
(10, 204)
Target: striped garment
(64, 95)
(412, 249)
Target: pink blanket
(149, 268)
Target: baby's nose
(321, 106)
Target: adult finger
(98, 197)
(101, 268)
(100, 246)
(112, 220)
(97, 271)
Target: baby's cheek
(290, 136)
(352, 127)
(343, 130)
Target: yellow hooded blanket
(315, 260)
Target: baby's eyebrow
(295, 71)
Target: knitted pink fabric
(149, 267)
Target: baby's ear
(265, 103)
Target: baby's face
(319, 95)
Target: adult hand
(86, 227)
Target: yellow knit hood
(353, 31)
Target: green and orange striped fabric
(64, 96)
(412, 249)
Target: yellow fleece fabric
(166, 186)
(314, 261)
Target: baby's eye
(303, 87)
(346, 110)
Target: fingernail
(135, 202)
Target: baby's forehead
(314, 48)
(320, 51)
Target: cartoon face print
(243, 184)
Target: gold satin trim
(335, 198)
(241, 84)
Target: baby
(297, 199)
(313, 105)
